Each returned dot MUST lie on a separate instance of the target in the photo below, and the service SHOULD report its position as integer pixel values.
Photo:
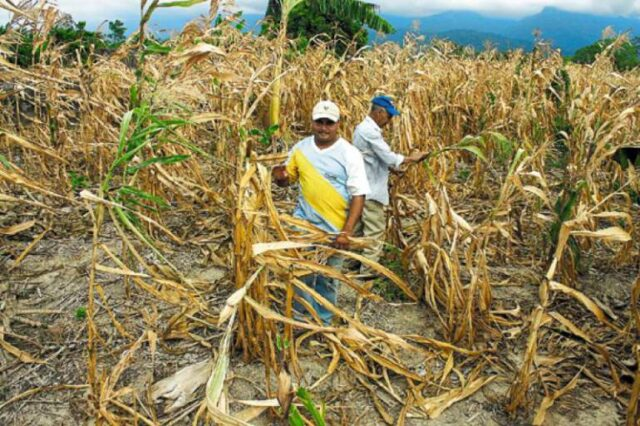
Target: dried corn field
(148, 267)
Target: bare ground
(42, 303)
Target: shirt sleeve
(381, 149)
(357, 183)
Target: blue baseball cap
(386, 103)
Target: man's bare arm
(355, 211)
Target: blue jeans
(326, 287)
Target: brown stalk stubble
(454, 231)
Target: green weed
(317, 416)
(463, 174)
(564, 210)
(80, 313)
(392, 260)
(265, 136)
(282, 343)
(78, 181)
(5, 162)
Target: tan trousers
(373, 224)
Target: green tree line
(73, 37)
(625, 57)
(344, 22)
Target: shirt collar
(371, 122)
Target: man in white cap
(379, 159)
(333, 185)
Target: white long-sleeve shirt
(378, 158)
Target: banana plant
(357, 10)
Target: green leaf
(173, 123)
(181, 3)
(358, 10)
(307, 401)
(124, 129)
(516, 161)
(131, 222)
(273, 128)
(504, 146)
(477, 151)
(81, 313)
(133, 94)
(295, 418)
(77, 181)
(288, 6)
(131, 203)
(171, 159)
(138, 141)
(170, 122)
(130, 154)
(5, 162)
(149, 131)
(136, 192)
(500, 138)
(124, 218)
(153, 47)
(129, 216)
(464, 145)
(242, 133)
(180, 141)
(470, 140)
(282, 344)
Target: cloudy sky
(98, 10)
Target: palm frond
(358, 10)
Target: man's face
(382, 117)
(324, 130)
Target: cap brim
(392, 111)
(327, 116)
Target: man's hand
(398, 171)
(355, 211)
(342, 241)
(280, 175)
(416, 157)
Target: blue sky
(96, 11)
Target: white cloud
(95, 11)
(252, 6)
(92, 10)
(508, 7)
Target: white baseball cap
(326, 109)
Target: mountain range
(565, 30)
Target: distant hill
(447, 21)
(165, 22)
(565, 30)
(568, 31)
(478, 39)
(475, 39)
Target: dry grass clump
(530, 187)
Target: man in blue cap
(378, 160)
